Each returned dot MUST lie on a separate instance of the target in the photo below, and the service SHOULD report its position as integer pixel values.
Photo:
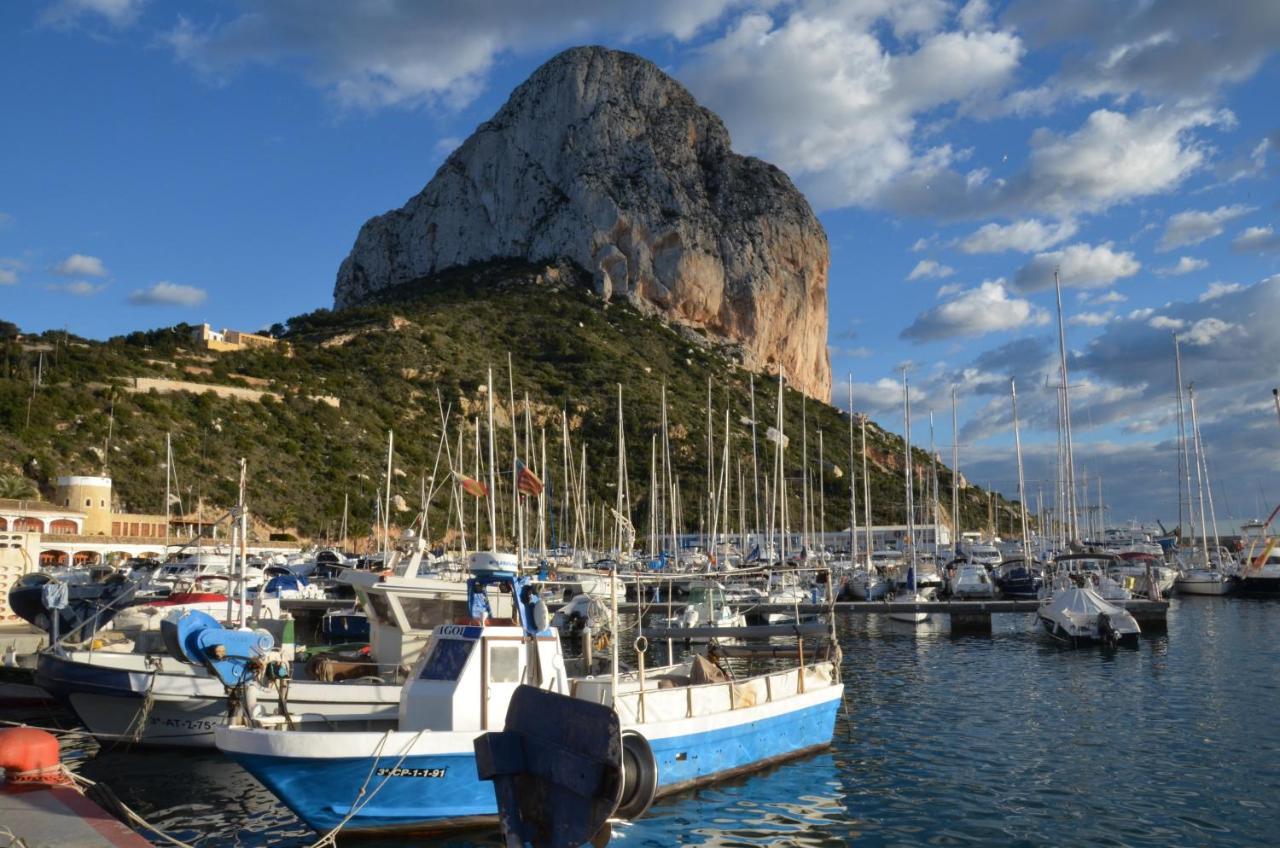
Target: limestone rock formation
(601, 158)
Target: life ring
(639, 777)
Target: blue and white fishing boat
(681, 726)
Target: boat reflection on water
(215, 802)
(800, 802)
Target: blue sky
(204, 161)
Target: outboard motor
(1107, 629)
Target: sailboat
(1072, 606)
(1208, 578)
(911, 590)
(864, 583)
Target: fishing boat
(682, 727)
(152, 699)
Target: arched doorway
(4, 524)
(63, 525)
(28, 524)
(53, 559)
(86, 558)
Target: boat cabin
(467, 676)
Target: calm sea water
(947, 740)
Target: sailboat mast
(1195, 435)
(168, 475)
(866, 493)
(386, 506)
(908, 478)
(1184, 457)
(778, 473)
(493, 482)
(853, 486)
(822, 497)
(755, 468)
(1070, 481)
(1022, 486)
(933, 493)
(955, 474)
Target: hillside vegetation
(392, 365)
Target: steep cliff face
(601, 158)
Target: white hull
(121, 696)
(910, 617)
(1204, 582)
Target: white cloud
(926, 268)
(949, 289)
(1079, 265)
(1114, 157)
(1256, 240)
(924, 243)
(79, 288)
(1162, 50)
(413, 53)
(1108, 297)
(1184, 265)
(1141, 313)
(118, 13)
(975, 312)
(882, 397)
(1026, 236)
(8, 277)
(1207, 330)
(1164, 322)
(1091, 319)
(1194, 226)
(1217, 290)
(79, 265)
(165, 293)
(851, 352)
(821, 95)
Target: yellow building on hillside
(206, 338)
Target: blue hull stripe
(321, 791)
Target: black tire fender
(639, 777)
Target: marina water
(947, 740)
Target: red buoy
(29, 755)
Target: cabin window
(504, 664)
(448, 657)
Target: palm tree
(16, 487)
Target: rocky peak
(601, 158)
